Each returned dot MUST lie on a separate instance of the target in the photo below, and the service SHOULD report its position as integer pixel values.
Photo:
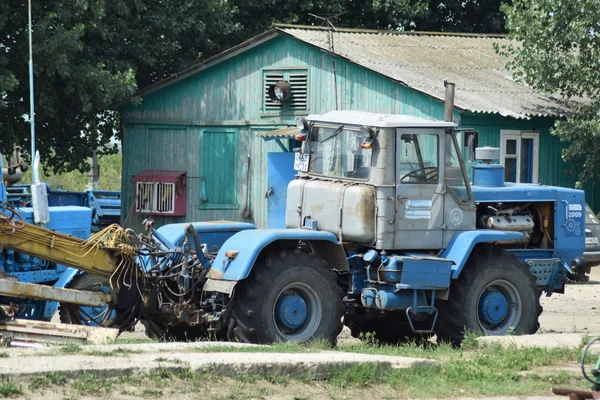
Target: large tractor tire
(87, 315)
(290, 296)
(496, 294)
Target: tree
(557, 50)
(90, 56)
(469, 16)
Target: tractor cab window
(418, 159)
(455, 175)
(336, 152)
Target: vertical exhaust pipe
(449, 102)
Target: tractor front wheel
(290, 296)
(496, 294)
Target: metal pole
(449, 102)
(31, 106)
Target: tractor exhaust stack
(449, 102)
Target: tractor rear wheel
(290, 296)
(496, 294)
(87, 315)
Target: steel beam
(12, 288)
(59, 248)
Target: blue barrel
(488, 175)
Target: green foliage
(556, 50)
(8, 388)
(110, 176)
(472, 16)
(90, 56)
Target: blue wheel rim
(97, 316)
(499, 307)
(297, 312)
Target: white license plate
(301, 162)
(591, 240)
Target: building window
(298, 82)
(519, 153)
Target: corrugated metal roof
(423, 61)
(283, 133)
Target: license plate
(301, 162)
(591, 240)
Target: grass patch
(475, 369)
(152, 393)
(48, 380)
(70, 348)
(118, 352)
(90, 384)
(169, 360)
(4, 354)
(8, 388)
(134, 341)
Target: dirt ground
(578, 310)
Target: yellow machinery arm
(102, 254)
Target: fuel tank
(337, 207)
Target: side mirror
(471, 143)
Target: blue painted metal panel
(213, 234)
(281, 173)
(515, 192)
(460, 247)
(71, 220)
(569, 224)
(425, 274)
(250, 243)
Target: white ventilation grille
(298, 81)
(165, 198)
(298, 87)
(271, 79)
(144, 196)
(155, 197)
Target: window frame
(518, 135)
(437, 158)
(353, 128)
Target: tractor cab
(388, 181)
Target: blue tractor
(392, 231)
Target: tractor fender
(461, 245)
(239, 253)
(62, 282)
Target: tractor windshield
(336, 151)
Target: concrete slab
(195, 356)
(547, 340)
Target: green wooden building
(215, 121)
